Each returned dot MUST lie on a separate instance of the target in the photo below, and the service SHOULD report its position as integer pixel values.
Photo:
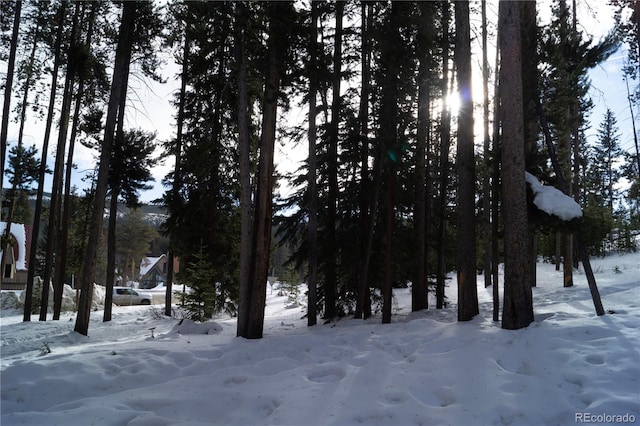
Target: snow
(423, 369)
(553, 201)
(148, 263)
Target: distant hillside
(153, 214)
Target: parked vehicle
(129, 296)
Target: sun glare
(453, 103)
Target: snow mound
(187, 326)
(9, 300)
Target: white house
(14, 269)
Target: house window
(8, 271)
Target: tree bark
(389, 137)
(330, 273)
(518, 299)
(363, 303)
(118, 90)
(466, 261)
(245, 171)
(177, 177)
(35, 232)
(111, 254)
(8, 87)
(443, 164)
(66, 210)
(419, 291)
(312, 281)
(529, 96)
(486, 172)
(280, 15)
(53, 232)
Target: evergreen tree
(200, 301)
(601, 177)
(567, 56)
(204, 184)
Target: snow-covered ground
(568, 367)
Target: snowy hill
(568, 367)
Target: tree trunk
(419, 295)
(562, 185)
(8, 87)
(331, 280)
(565, 159)
(280, 15)
(389, 137)
(467, 281)
(486, 172)
(55, 207)
(445, 140)
(529, 96)
(111, 254)
(518, 299)
(66, 211)
(312, 281)
(244, 147)
(35, 232)
(118, 90)
(363, 303)
(177, 177)
(495, 195)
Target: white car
(129, 296)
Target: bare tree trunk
(419, 295)
(111, 254)
(8, 87)
(495, 190)
(486, 172)
(518, 299)
(66, 211)
(280, 15)
(363, 303)
(55, 208)
(331, 280)
(4, 128)
(312, 281)
(118, 90)
(389, 137)
(445, 140)
(467, 281)
(529, 97)
(35, 232)
(177, 177)
(495, 195)
(565, 158)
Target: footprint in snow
(330, 374)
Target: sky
(569, 367)
(149, 105)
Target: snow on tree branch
(553, 201)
